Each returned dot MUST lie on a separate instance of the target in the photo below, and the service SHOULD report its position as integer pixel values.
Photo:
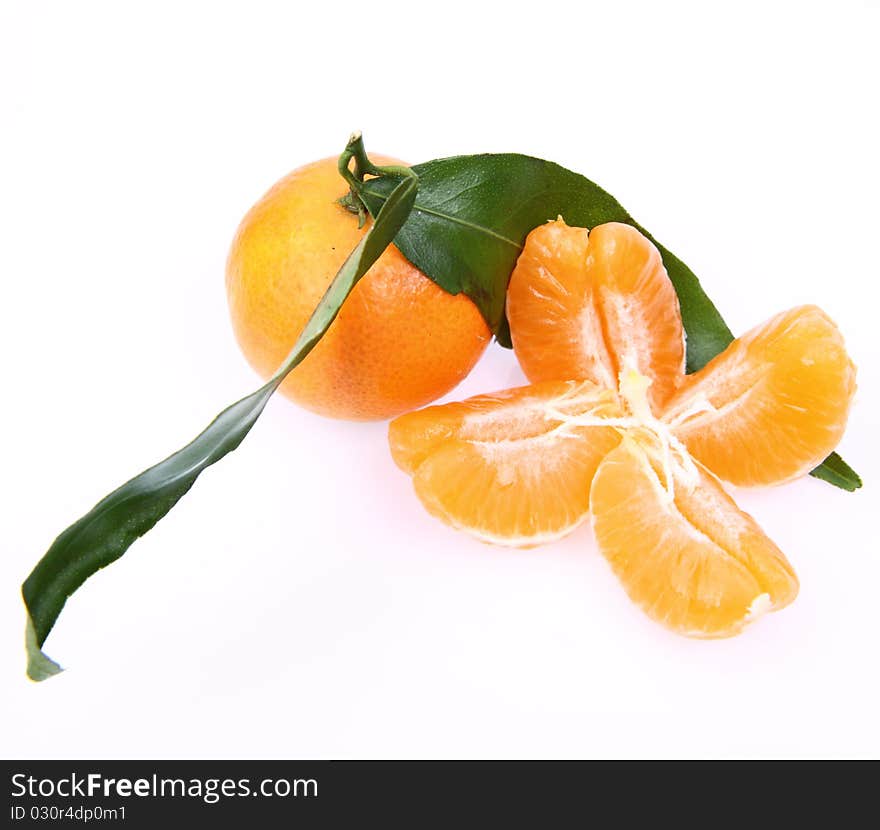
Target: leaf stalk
(363, 167)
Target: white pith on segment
(585, 304)
(722, 534)
(792, 377)
(534, 414)
(708, 546)
(591, 336)
(641, 425)
(630, 324)
(524, 443)
(533, 442)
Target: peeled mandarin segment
(509, 468)
(698, 564)
(774, 403)
(507, 415)
(546, 297)
(510, 413)
(589, 305)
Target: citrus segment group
(614, 428)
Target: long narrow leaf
(109, 528)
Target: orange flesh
(515, 467)
(504, 467)
(697, 564)
(588, 305)
(779, 398)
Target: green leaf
(111, 526)
(472, 216)
(836, 471)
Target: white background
(300, 602)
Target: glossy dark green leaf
(109, 528)
(473, 214)
(836, 471)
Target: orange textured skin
(589, 304)
(400, 340)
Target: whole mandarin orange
(400, 340)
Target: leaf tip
(836, 471)
(39, 666)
